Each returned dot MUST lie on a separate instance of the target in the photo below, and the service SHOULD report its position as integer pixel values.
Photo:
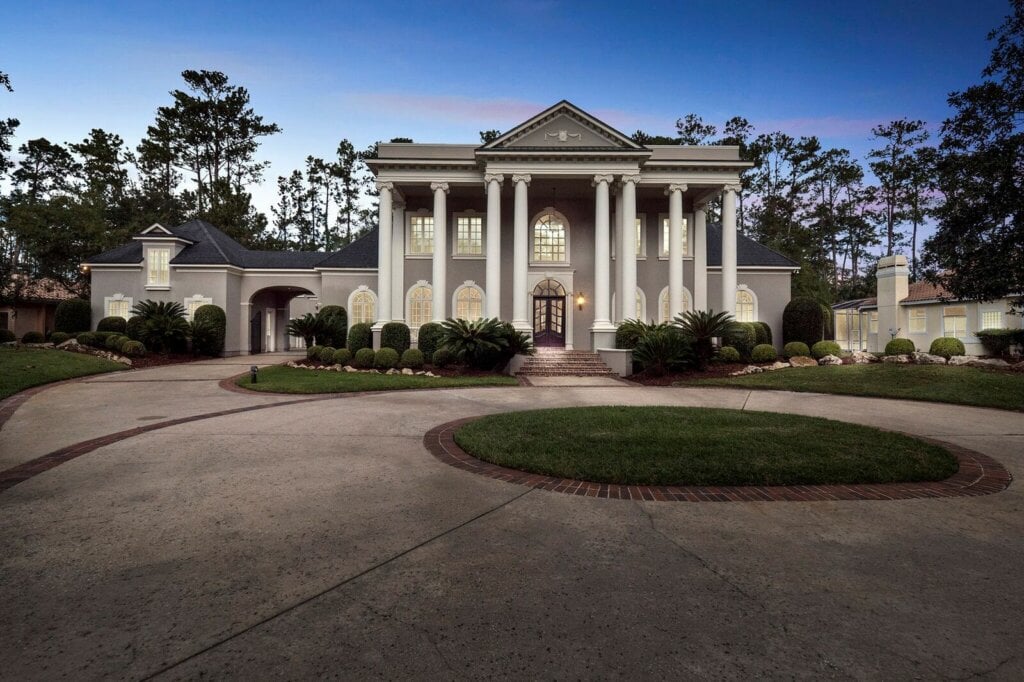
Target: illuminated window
(469, 236)
(918, 320)
(549, 239)
(744, 306)
(991, 319)
(469, 303)
(421, 235)
(158, 265)
(666, 241)
(640, 241)
(193, 304)
(362, 307)
(117, 305)
(954, 321)
(421, 306)
(663, 305)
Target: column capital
(381, 185)
(731, 188)
(398, 204)
(632, 177)
(607, 179)
(493, 177)
(443, 186)
(676, 187)
(521, 177)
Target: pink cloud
(823, 126)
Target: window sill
(549, 264)
(685, 257)
(420, 256)
(158, 287)
(457, 257)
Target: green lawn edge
(655, 445)
(281, 379)
(969, 386)
(25, 368)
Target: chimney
(893, 286)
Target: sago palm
(702, 326)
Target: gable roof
(748, 252)
(570, 112)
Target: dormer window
(158, 267)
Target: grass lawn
(696, 446)
(27, 367)
(290, 380)
(937, 383)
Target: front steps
(558, 362)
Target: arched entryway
(549, 307)
(268, 318)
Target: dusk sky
(440, 72)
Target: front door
(256, 333)
(549, 320)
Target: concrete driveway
(322, 539)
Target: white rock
(1019, 367)
(430, 374)
(69, 344)
(802, 361)
(830, 360)
(897, 359)
(961, 359)
(350, 369)
(862, 357)
(778, 365)
(922, 358)
(988, 362)
(407, 371)
(392, 371)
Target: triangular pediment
(563, 126)
(157, 229)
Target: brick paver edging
(978, 474)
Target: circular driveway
(322, 539)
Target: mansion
(563, 226)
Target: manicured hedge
(743, 338)
(313, 352)
(133, 328)
(385, 358)
(360, 336)
(335, 320)
(763, 352)
(59, 337)
(363, 359)
(72, 316)
(947, 347)
(33, 337)
(6, 336)
(900, 347)
(442, 357)
(326, 354)
(134, 349)
(429, 338)
(999, 341)
(795, 349)
(823, 348)
(396, 336)
(763, 332)
(728, 354)
(412, 359)
(112, 324)
(342, 356)
(803, 320)
(213, 317)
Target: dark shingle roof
(127, 253)
(748, 252)
(362, 253)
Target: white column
(675, 249)
(520, 254)
(384, 234)
(493, 278)
(700, 258)
(617, 313)
(627, 246)
(440, 260)
(602, 255)
(729, 248)
(398, 260)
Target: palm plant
(476, 342)
(308, 328)
(702, 326)
(629, 332)
(519, 343)
(663, 349)
(163, 327)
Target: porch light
(580, 300)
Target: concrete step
(560, 363)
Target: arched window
(362, 306)
(469, 302)
(420, 307)
(550, 239)
(745, 306)
(641, 304)
(549, 287)
(663, 304)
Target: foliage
(59, 337)
(763, 332)
(133, 349)
(342, 356)
(803, 320)
(763, 352)
(360, 336)
(73, 316)
(133, 328)
(663, 349)
(313, 352)
(629, 333)
(947, 347)
(900, 347)
(6, 335)
(480, 343)
(702, 326)
(743, 337)
(209, 328)
(335, 325)
(87, 338)
(112, 324)
(795, 349)
(385, 358)
(33, 337)
(363, 358)
(309, 328)
(823, 348)
(999, 341)
(325, 354)
(728, 354)
(395, 335)
(115, 341)
(412, 359)
(442, 357)
(428, 338)
(163, 327)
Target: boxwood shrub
(87, 339)
(133, 328)
(313, 352)
(947, 347)
(385, 358)
(412, 359)
(133, 349)
(796, 349)
(33, 337)
(342, 356)
(115, 342)
(429, 338)
(803, 320)
(728, 354)
(743, 338)
(823, 348)
(363, 358)
(325, 354)
(335, 320)
(900, 347)
(112, 324)
(360, 336)
(73, 315)
(59, 337)
(763, 352)
(6, 336)
(442, 357)
(396, 336)
(763, 332)
(999, 341)
(212, 317)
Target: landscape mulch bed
(714, 371)
(451, 371)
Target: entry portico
(565, 198)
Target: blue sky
(440, 72)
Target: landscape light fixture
(254, 373)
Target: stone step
(564, 363)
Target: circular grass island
(684, 446)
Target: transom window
(469, 303)
(469, 236)
(663, 305)
(666, 240)
(117, 306)
(158, 264)
(744, 306)
(918, 320)
(363, 307)
(421, 306)
(421, 235)
(954, 321)
(991, 319)
(549, 239)
(549, 287)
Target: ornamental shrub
(385, 358)
(823, 348)
(73, 315)
(133, 328)
(742, 337)
(133, 349)
(342, 356)
(212, 320)
(763, 352)
(900, 347)
(999, 341)
(796, 349)
(6, 336)
(803, 320)
(359, 337)
(629, 333)
(112, 324)
(728, 354)
(412, 359)
(115, 342)
(59, 337)
(334, 325)
(664, 350)
(763, 332)
(33, 337)
(164, 328)
(429, 338)
(313, 352)
(326, 354)
(87, 339)
(442, 357)
(363, 359)
(395, 335)
(947, 347)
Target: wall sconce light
(580, 300)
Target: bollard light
(253, 373)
